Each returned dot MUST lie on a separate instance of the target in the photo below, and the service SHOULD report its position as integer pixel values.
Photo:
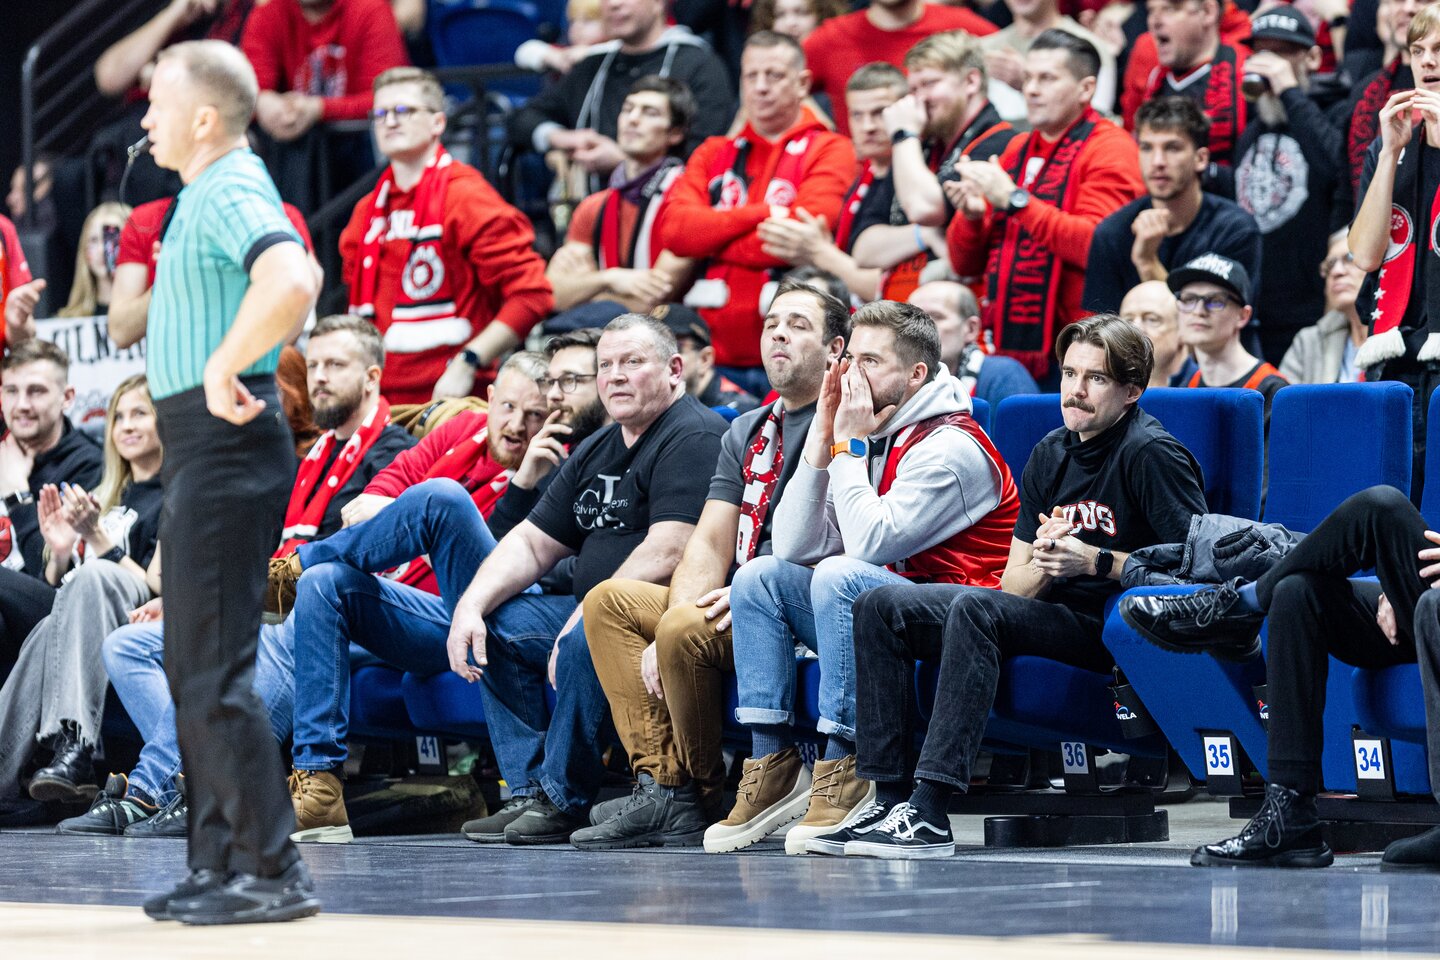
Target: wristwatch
(1104, 560)
(470, 357)
(1337, 23)
(854, 446)
(18, 498)
(1018, 200)
(115, 554)
(900, 136)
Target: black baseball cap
(1284, 24)
(1214, 268)
(683, 322)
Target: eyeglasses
(567, 383)
(1330, 262)
(1214, 303)
(400, 112)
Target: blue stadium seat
(377, 705)
(445, 704)
(1224, 429)
(1019, 422)
(466, 33)
(981, 412)
(729, 413)
(1430, 495)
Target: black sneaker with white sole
(904, 835)
(833, 843)
(171, 822)
(113, 813)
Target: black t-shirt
(728, 483)
(1219, 227)
(874, 209)
(138, 519)
(392, 440)
(606, 495)
(1132, 486)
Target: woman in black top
(98, 547)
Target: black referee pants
(225, 493)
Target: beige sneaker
(774, 791)
(319, 808)
(280, 588)
(836, 798)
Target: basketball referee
(232, 282)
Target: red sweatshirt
(1105, 177)
(842, 45)
(16, 269)
(142, 229)
(485, 479)
(689, 225)
(490, 260)
(1234, 28)
(337, 58)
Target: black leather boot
(1285, 833)
(70, 777)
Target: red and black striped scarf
(1365, 120)
(1223, 102)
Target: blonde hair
(582, 10)
(82, 290)
(953, 51)
(220, 71)
(432, 94)
(1427, 19)
(118, 474)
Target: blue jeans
(134, 659)
(561, 755)
(338, 601)
(773, 605)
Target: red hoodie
(14, 269)
(690, 226)
(337, 58)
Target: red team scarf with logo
(424, 292)
(1023, 275)
(1365, 121)
(850, 208)
(647, 192)
(760, 472)
(1223, 102)
(1385, 295)
(315, 487)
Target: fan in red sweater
(886, 30)
(18, 324)
(316, 60)
(1026, 222)
(435, 257)
(1193, 48)
(783, 161)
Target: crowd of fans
(747, 423)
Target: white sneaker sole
(722, 839)
(798, 839)
(881, 851)
(324, 835)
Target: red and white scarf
(315, 487)
(764, 460)
(647, 192)
(850, 208)
(425, 295)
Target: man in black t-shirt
(1213, 294)
(1177, 221)
(1107, 483)
(623, 504)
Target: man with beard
(661, 652)
(1176, 221)
(892, 441)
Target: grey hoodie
(945, 484)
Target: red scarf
(1365, 121)
(647, 193)
(1023, 275)
(314, 487)
(1223, 102)
(850, 208)
(761, 472)
(468, 463)
(1385, 295)
(425, 294)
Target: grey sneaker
(491, 829)
(172, 821)
(652, 816)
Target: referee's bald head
(222, 78)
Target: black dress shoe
(199, 881)
(543, 823)
(1418, 853)
(70, 776)
(245, 898)
(1210, 621)
(1285, 833)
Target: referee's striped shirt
(221, 222)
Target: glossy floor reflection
(1136, 894)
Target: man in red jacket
(784, 161)
(19, 309)
(885, 31)
(1026, 222)
(444, 267)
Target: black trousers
(1315, 612)
(225, 493)
(24, 602)
(969, 630)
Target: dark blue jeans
(338, 601)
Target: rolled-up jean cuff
(832, 729)
(530, 789)
(758, 716)
(941, 778)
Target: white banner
(97, 364)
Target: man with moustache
(662, 653)
(1176, 221)
(623, 504)
(1151, 307)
